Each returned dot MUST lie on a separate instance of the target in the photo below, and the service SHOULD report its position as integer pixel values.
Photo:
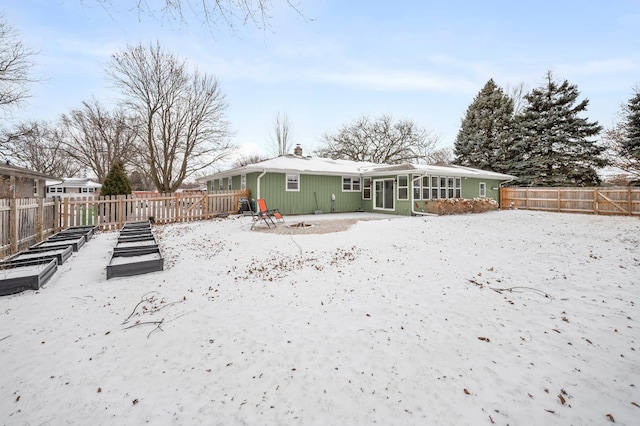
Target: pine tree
(552, 142)
(631, 144)
(484, 137)
(116, 182)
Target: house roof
(326, 166)
(74, 183)
(7, 168)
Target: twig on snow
(142, 300)
(5, 337)
(510, 289)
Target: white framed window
(417, 187)
(458, 191)
(425, 187)
(220, 187)
(350, 184)
(35, 187)
(229, 183)
(243, 182)
(293, 182)
(434, 187)
(366, 188)
(403, 187)
(483, 190)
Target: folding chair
(261, 215)
(273, 213)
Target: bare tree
(38, 146)
(210, 13)
(441, 156)
(381, 140)
(517, 94)
(97, 138)
(15, 67)
(281, 138)
(613, 138)
(183, 128)
(248, 159)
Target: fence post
(56, 215)
(120, 211)
(177, 198)
(558, 200)
(13, 225)
(39, 220)
(595, 200)
(630, 212)
(65, 213)
(205, 207)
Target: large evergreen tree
(116, 182)
(552, 142)
(631, 143)
(484, 137)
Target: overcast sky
(420, 60)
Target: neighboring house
(18, 182)
(73, 187)
(302, 185)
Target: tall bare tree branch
(183, 126)
(380, 140)
(97, 138)
(15, 67)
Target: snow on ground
(509, 317)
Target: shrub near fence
(593, 200)
(24, 222)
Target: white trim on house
(73, 187)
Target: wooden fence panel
(5, 236)
(24, 222)
(593, 200)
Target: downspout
(413, 202)
(264, 172)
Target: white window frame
(482, 189)
(366, 188)
(35, 187)
(404, 187)
(243, 182)
(229, 183)
(351, 184)
(435, 188)
(458, 189)
(296, 180)
(416, 186)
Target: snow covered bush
(460, 206)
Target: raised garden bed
(86, 231)
(136, 252)
(61, 254)
(76, 243)
(135, 261)
(20, 275)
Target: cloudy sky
(421, 60)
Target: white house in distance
(73, 187)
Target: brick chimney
(297, 150)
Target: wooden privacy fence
(593, 200)
(24, 222)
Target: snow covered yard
(508, 317)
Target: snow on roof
(75, 182)
(327, 166)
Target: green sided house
(302, 185)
